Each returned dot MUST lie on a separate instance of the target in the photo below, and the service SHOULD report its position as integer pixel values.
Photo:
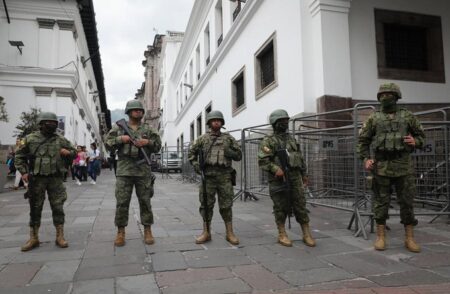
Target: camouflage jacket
(128, 154)
(45, 158)
(269, 161)
(221, 154)
(384, 133)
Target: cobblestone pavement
(340, 263)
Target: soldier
(393, 132)
(285, 190)
(130, 173)
(40, 159)
(219, 150)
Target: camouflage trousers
(405, 189)
(283, 203)
(220, 184)
(144, 192)
(57, 195)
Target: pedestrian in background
(94, 163)
(393, 133)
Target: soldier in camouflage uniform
(393, 133)
(283, 202)
(219, 149)
(129, 173)
(41, 159)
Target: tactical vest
(295, 159)
(390, 132)
(216, 156)
(47, 160)
(127, 150)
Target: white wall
(365, 81)
(45, 50)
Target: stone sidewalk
(340, 263)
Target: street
(340, 263)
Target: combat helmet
(277, 114)
(215, 114)
(134, 104)
(389, 88)
(43, 116)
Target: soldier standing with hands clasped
(393, 132)
(132, 174)
(40, 159)
(279, 155)
(218, 151)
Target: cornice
(66, 92)
(30, 9)
(46, 23)
(233, 34)
(43, 91)
(340, 6)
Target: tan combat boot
(283, 237)
(60, 241)
(410, 244)
(205, 236)
(33, 242)
(148, 237)
(230, 237)
(120, 238)
(380, 243)
(307, 238)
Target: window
(409, 46)
(265, 67)
(208, 109)
(206, 43)
(219, 22)
(199, 125)
(192, 132)
(197, 62)
(238, 91)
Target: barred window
(238, 91)
(192, 132)
(199, 125)
(409, 46)
(265, 67)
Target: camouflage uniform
(130, 174)
(48, 174)
(217, 172)
(45, 169)
(384, 131)
(220, 149)
(287, 197)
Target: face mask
(49, 129)
(281, 127)
(388, 102)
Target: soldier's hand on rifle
(125, 139)
(25, 178)
(142, 142)
(64, 152)
(279, 173)
(409, 140)
(368, 164)
(305, 181)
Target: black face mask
(281, 127)
(48, 129)
(388, 103)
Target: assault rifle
(283, 157)
(202, 165)
(123, 125)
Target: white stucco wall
(44, 52)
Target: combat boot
(410, 244)
(283, 237)
(33, 242)
(205, 236)
(380, 243)
(148, 237)
(120, 238)
(230, 237)
(307, 237)
(60, 241)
